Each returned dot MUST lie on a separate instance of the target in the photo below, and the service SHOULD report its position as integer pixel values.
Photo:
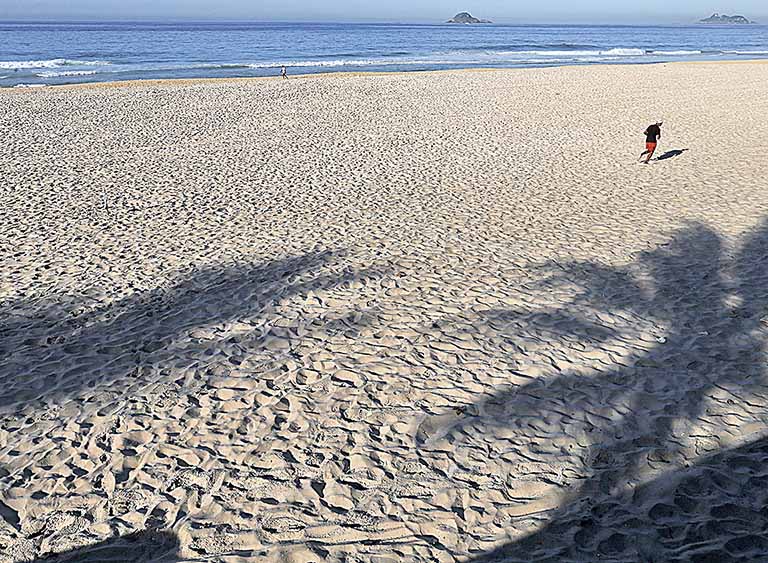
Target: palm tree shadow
(715, 511)
(76, 352)
(635, 500)
(142, 547)
(53, 351)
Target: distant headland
(720, 18)
(466, 17)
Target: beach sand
(379, 318)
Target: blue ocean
(36, 54)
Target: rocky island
(466, 17)
(720, 18)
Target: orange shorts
(650, 147)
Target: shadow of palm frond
(714, 511)
(142, 547)
(705, 360)
(53, 350)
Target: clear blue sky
(597, 11)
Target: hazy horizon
(396, 11)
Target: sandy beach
(422, 317)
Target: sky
(502, 11)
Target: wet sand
(435, 316)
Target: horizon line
(195, 19)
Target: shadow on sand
(81, 354)
(141, 547)
(51, 351)
(655, 484)
(671, 154)
(716, 511)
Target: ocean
(38, 54)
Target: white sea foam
(449, 58)
(624, 52)
(468, 58)
(55, 74)
(51, 63)
(350, 62)
(746, 52)
(575, 53)
(521, 58)
(30, 86)
(545, 53)
(676, 53)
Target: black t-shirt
(653, 133)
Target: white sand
(387, 318)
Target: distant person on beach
(652, 136)
(284, 72)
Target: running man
(284, 72)
(652, 136)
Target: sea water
(35, 54)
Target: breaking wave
(55, 74)
(51, 63)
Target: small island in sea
(720, 18)
(466, 17)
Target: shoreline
(213, 80)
